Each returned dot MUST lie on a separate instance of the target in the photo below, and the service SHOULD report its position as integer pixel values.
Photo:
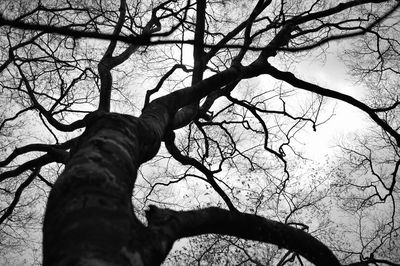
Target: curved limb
(180, 224)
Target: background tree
(100, 85)
(374, 154)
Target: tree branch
(108, 62)
(18, 193)
(49, 117)
(186, 160)
(294, 81)
(38, 162)
(105, 65)
(162, 80)
(185, 115)
(180, 224)
(56, 150)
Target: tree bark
(89, 218)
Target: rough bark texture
(89, 218)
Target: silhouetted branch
(38, 162)
(186, 160)
(180, 224)
(162, 80)
(9, 210)
(294, 81)
(52, 149)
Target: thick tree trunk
(89, 218)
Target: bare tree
(104, 84)
(374, 154)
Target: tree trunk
(89, 218)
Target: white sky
(332, 74)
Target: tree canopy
(176, 132)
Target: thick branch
(184, 116)
(117, 28)
(165, 107)
(342, 36)
(294, 81)
(2, 124)
(252, 227)
(108, 62)
(198, 51)
(260, 6)
(38, 162)
(57, 151)
(137, 40)
(162, 80)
